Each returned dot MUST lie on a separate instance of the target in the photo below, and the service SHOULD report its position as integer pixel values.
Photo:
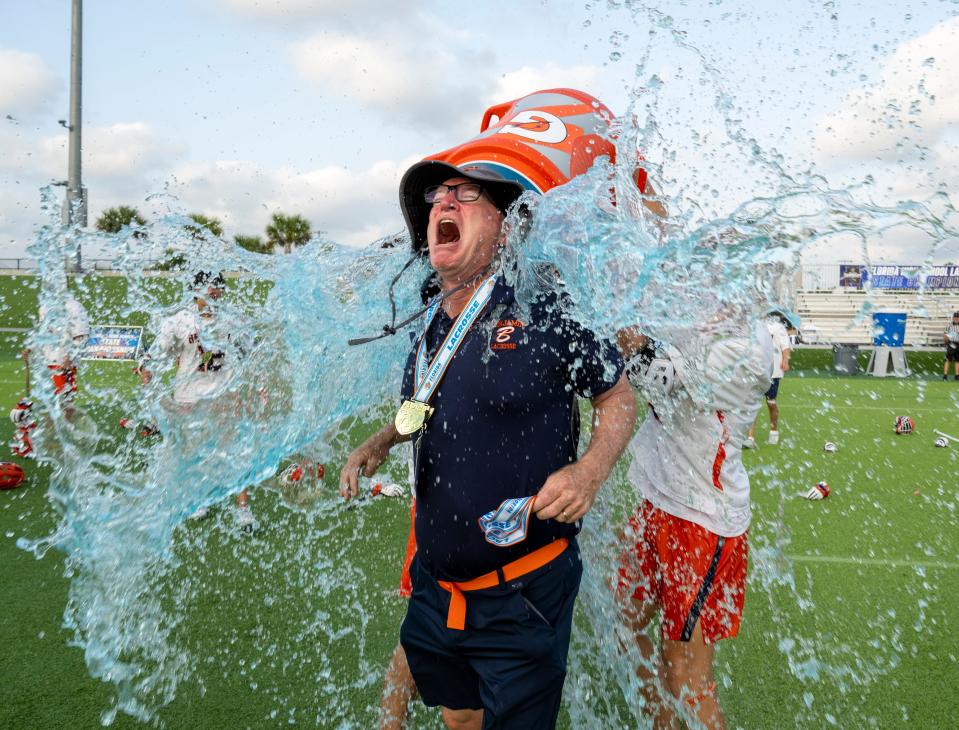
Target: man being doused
(490, 397)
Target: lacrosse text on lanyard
(413, 413)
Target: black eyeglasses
(464, 192)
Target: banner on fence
(855, 276)
(113, 342)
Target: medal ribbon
(428, 378)
(508, 524)
(421, 363)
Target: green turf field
(850, 621)
(108, 296)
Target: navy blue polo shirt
(506, 418)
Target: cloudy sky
(239, 108)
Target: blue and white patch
(507, 524)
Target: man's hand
(367, 459)
(569, 493)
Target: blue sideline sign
(113, 342)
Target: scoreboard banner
(855, 276)
(113, 342)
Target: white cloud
(322, 13)
(518, 83)
(351, 206)
(914, 103)
(425, 84)
(903, 132)
(122, 150)
(27, 86)
(122, 164)
(403, 65)
(437, 84)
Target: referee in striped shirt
(951, 338)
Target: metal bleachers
(845, 315)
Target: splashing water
(137, 571)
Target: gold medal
(411, 416)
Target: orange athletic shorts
(695, 575)
(406, 584)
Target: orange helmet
(538, 142)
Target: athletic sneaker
(244, 519)
(200, 514)
(773, 437)
(749, 443)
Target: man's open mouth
(448, 232)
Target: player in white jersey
(203, 369)
(951, 338)
(782, 349)
(685, 547)
(62, 342)
(200, 372)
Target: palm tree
(205, 225)
(253, 243)
(113, 220)
(288, 231)
(201, 227)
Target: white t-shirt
(201, 366)
(780, 342)
(687, 455)
(64, 343)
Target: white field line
(879, 562)
(856, 407)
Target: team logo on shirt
(507, 335)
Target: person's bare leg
(398, 689)
(688, 667)
(638, 614)
(463, 719)
(773, 415)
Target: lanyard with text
(422, 364)
(414, 411)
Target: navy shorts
(510, 661)
(952, 354)
(773, 389)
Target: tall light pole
(75, 203)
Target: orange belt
(456, 617)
